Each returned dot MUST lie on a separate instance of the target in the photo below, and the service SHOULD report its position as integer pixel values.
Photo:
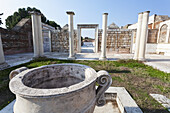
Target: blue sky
(121, 12)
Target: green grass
(138, 79)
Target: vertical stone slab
(37, 34)
(71, 35)
(49, 34)
(137, 43)
(103, 45)
(79, 40)
(96, 40)
(167, 35)
(144, 35)
(3, 64)
(2, 59)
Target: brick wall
(16, 42)
(118, 40)
(60, 41)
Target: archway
(163, 34)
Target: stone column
(2, 59)
(3, 64)
(103, 43)
(71, 35)
(49, 34)
(144, 35)
(79, 40)
(96, 40)
(138, 35)
(37, 34)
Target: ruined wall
(118, 40)
(16, 42)
(152, 35)
(60, 41)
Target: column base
(134, 58)
(37, 57)
(142, 59)
(103, 58)
(71, 58)
(4, 66)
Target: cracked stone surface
(162, 100)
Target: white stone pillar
(138, 35)
(71, 35)
(103, 43)
(37, 34)
(3, 64)
(144, 35)
(96, 40)
(2, 59)
(49, 35)
(79, 40)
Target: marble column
(79, 40)
(3, 64)
(144, 35)
(137, 43)
(71, 35)
(96, 40)
(37, 34)
(49, 35)
(103, 43)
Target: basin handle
(104, 80)
(16, 72)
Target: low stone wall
(163, 49)
(16, 42)
(150, 48)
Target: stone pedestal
(137, 43)
(71, 35)
(37, 34)
(103, 44)
(144, 35)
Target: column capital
(70, 12)
(105, 13)
(140, 13)
(35, 13)
(146, 12)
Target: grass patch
(136, 77)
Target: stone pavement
(157, 61)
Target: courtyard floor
(160, 62)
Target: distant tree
(0, 19)
(12, 20)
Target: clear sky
(121, 12)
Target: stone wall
(60, 41)
(152, 35)
(16, 42)
(118, 40)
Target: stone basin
(58, 88)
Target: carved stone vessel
(58, 88)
